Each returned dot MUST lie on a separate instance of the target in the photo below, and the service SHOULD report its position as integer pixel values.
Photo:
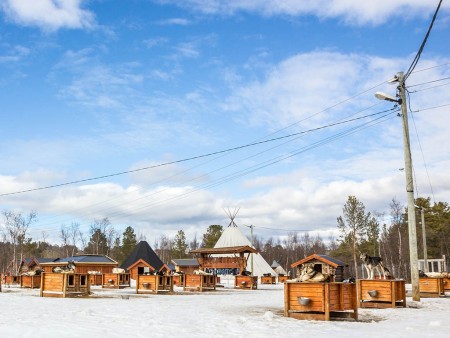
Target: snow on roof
(86, 258)
(185, 262)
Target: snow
(222, 313)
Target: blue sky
(91, 88)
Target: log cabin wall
(33, 282)
(65, 285)
(320, 301)
(83, 267)
(116, 280)
(154, 283)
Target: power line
(428, 88)
(433, 81)
(419, 52)
(428, 68)
(256, 167)
(430, 108)
(423, 157)
(187, 159)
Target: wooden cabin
(282, 278)
(320, 301)
(268, 279)
(246, 282)
(32, 282)
(143, 260)
(64, 285)
(178, 280)
(186, 266)
(446, 283)
(12, 279)
(431, 287)
(154, 283)
(326, 265)
(84, 263)
(193, 282)
(381, 293)
(33, 264)
(115, 280)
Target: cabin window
(204, 279)
(161, 280)
(83, 280)
(71, 280)
(141, 270)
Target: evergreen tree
(101, 239)
(212, 235)
(193, 245)
(128, 243)
(97, 244)
(179, 249)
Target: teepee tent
(278, 268)
(232, 236)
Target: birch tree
(353, 226)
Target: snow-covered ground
(222, 313)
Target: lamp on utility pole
(413, 257)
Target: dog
(309, 274)
(371, 263)
(69, 268)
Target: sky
(204, 107)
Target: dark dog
(372, 263)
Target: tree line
(378, 234)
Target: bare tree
(16, 226)
(64, 235)
(111, 236)
(74, 233)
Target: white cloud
(308, 193)
(305, 84)
(351, 11)
(175, 22)
(49, 15)
(14, 54)
(150, 43)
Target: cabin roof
(85, 259)
(225, 250)
(185, 262)
(322, 258)
(28, 261)
(45, 260)
(143, 252)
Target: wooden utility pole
(251, 241)
(414, 262)
(424, 240)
